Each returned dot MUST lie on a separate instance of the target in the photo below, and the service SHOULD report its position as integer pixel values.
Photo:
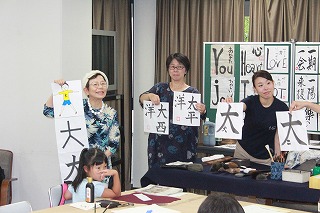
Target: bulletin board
(306, 80)
(229, 66)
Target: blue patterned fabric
(103, 129)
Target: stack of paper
(85, 205)
(159, 190)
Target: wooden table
(189, 203)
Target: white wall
(40, 40)
(43, 40)
(144, 63)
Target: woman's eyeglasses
(96, 84)
(171, 67)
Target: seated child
(92, 163)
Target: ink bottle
(208, 133)
(89, 191)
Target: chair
(56, 197)
(6, 158)
(19, 207)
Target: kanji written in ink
(192, 103)
(180, 101)
(305, 87)
(161, 127)
(184, 109)
(69, 130)
(149, 110)
(162, 111)
(310, 114)
(290, 125)
(306, 59)
(156, 117)
(292, 130)
(191, 116)
(227, 117)
(73, 165)
(229, 120)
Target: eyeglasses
(96, 84)
(171, 67)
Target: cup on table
(276, 170)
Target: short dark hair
(218, 202)
(262, 74)
(180, 58)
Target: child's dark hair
(65, 83)
(88, 158)
(262, 74)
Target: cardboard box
(314, 182)
(297, 176)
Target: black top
(260, 125)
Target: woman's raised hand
(59, 81)
(155, 99)
(228, 100)
(201, 108)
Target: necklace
(94, 112)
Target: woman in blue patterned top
(101, 120)
(181, 143)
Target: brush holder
(276, 170)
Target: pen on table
(148, 211)
(95, 207)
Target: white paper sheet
(292, 131)
(146, 209)
(263, 209)
(229, 120)
(70, 127)
(156, 117)
(184, 109)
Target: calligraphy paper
(292, 131)
(229, 120)
(70, 126)
(67, 99)
(184, 109)
(156, 117)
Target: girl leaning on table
(92, 163)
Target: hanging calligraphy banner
(70, 126)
